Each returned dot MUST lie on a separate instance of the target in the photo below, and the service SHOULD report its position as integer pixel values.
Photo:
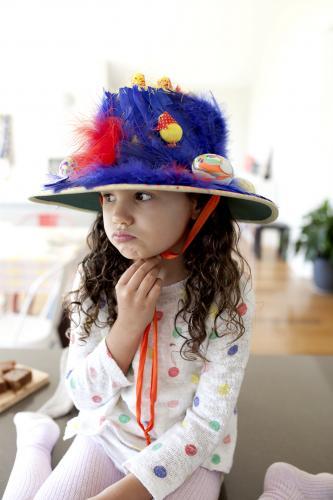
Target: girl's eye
(107, 197)
(144, 194)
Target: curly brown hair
(215, 267)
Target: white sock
(284, 481)
(60, 403)
(33, 428)
(36, 435)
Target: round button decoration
(213, 168)
(160, 471)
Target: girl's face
(157, 220)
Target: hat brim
(245, 207)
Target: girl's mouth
(123, 238)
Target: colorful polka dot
(196, 401)
(96, 399)
(102, 420)
(216, 459)
(213, 424)
(242, 309)
(159, 315)
(72, 383)
(124, 419)
(173, 372)
(227, 439)
(68, 374)
(176, 332)
(92, 372)
(233, 349)
(213, 310)
(224, 389)
(194, 378)
(173, 403)
(76, 425)
(115, 385)
(213, 335)
(160, 471)
(156, 446)
(191, 450)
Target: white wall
(268, 62)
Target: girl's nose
(121, 216)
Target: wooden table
(285, 413)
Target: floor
(292, 316)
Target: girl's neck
(173, 271)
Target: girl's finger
(126, 276)
(155, 290)
(136, 279)
(147, 282)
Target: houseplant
(316, 240)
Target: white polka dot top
(195, 412)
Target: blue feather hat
(158, 138)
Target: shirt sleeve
(166, 463)
(93, 377)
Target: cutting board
(10, 397)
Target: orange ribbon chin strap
(205, 213)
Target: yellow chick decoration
(170, 131)
(165, 83)
(139, 80)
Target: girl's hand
(137, 292)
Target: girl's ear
(195, 208)
(101, 200)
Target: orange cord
(205, 213)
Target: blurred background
(269, 64)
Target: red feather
(99, 142)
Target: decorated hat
(155, 137)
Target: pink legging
(84, 471)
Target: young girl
(162, 304)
